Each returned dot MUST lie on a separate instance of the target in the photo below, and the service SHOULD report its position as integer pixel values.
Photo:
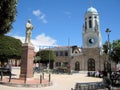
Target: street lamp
(108, 44)
(108, 32)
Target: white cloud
(40, 40)
(37, 12)
(21, 38)
(44, 21)
(40, 15)
(68, 14)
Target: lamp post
(108, 44)
(108, 32)
(49, 62)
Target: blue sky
(56, 21)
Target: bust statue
(29, 28)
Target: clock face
(91, 40)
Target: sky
(59, 22)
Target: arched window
(77, 66)
(90, 23)
(85, 25)
(95, 17)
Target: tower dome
(92, 9)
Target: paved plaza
(60, 81)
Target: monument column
(27, 54)
(27, 61)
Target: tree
(106, 48)
(107, 51)
(46, 56)
(10, 48)
(115, 52)
(7, 15)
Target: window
(61, 53)
(90, 23)
(90, 17)
(58, 64)
(66, 53)
(85, 25)
(56, 53)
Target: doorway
(91, 64)
(77, 66)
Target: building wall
(82, 59)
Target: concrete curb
(26, 85)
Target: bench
(5, 72)
(116, 79)
(89, 86)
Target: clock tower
(91, 29)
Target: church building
(89, 57)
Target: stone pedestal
(27, 61)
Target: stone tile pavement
(60, 81)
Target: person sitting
(107, 82)
(97, 74)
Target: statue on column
(29, 28)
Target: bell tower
(91, 29)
